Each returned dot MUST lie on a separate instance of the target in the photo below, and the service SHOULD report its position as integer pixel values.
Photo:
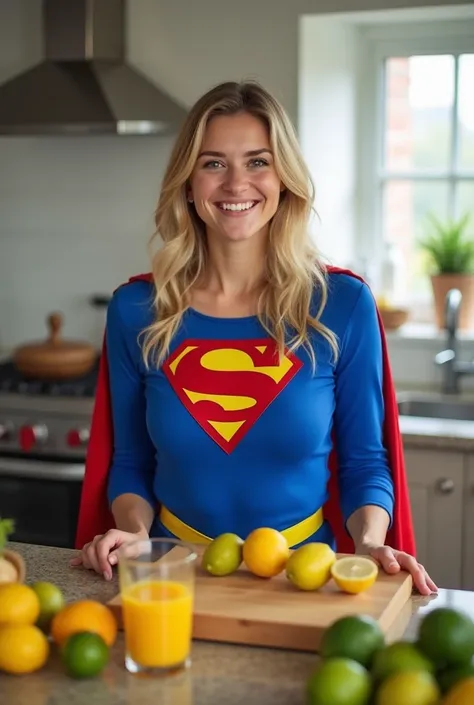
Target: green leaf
(7, 527)
(449, 248)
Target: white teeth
(237, 206)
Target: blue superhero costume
(229, 439)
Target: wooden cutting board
(244, 609)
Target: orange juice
(157, 618)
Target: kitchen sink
(436, 407)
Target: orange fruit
(461, 694)
(354, 574)
(265, 552)
(84, 616)
(19, 604)
(23, 648)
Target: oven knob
(6, 430)
(78, 437)
(31, 435)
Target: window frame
(379, 42)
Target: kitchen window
(418, 148)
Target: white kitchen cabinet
(436, 487)
(468, 539)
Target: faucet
(447, 359)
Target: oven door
(42, 498)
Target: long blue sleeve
(133, 464)
(364, 476)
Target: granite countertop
(436, 433)
(220, 674)
(439, 434)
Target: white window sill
(419, 332)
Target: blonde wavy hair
(293, 268)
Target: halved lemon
(354, 574)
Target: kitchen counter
(220, 674)
(438, 434)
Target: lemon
(85, 655)
(23, 648)
(397, 657)
(223, 555)
(51, 601)
(461, 694)
(339, 681)
(357, 637)
(265, 552)
(446, 636)
(309, 566)
(408, 688)
(19, 604)
(354, 574)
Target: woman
(241, 371)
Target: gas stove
(44, 433)
(45, 419)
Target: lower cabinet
(468, 542)
(437, 493)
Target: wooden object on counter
(18, 564)
(244, 609)
(393, 318)
(55, 358)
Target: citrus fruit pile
(357, 667)
(266, 553)
(32, 617)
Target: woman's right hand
(100, 554)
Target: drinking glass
(157, 578)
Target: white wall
(328, 66)
(75, 214)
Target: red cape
(96, 518)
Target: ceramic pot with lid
(55, 358)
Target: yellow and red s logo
(227, 385)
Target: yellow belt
(293, 534)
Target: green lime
(51, 601)
(339, 681)
(223, 555)
(448, 677)
(85, 655)
(355, 637)
(409, 688)
(397, 657)
(446, 636)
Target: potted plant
(12, 565)
(451, 253)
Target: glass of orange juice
(157, 594)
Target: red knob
(30, 435)
(77, 437)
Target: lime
(397, 657)
(223, 555)
(309, 566)
(339, 681)
(51, 601)
(85, 655)
(446, 636)
(357, 637)
(408, 688)
(448, 677)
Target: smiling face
(234, 185)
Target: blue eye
(258, 162)
(213, 164)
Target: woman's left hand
(392, 561)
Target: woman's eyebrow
(251, 153)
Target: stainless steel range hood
(84, 85)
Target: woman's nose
(236, 180)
